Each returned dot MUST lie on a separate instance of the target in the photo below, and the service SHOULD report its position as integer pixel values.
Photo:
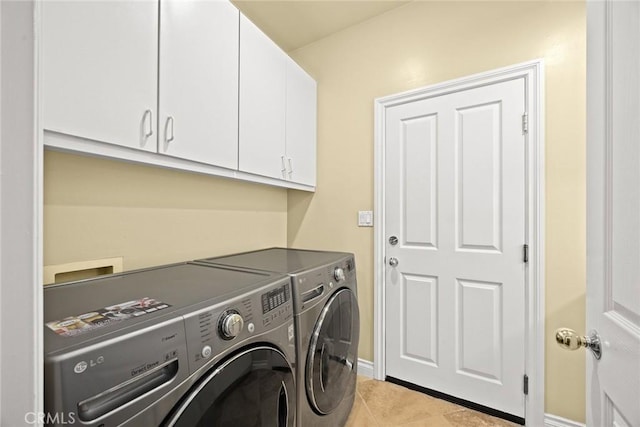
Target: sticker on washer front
(290, 332)
(92, 320)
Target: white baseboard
(556, 421)
(365, 368)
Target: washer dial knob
(338, 273)
(231, 324)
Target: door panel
(478, 178)
(613, 214)
(420, 211)
(455, 198)
(300, 125)
(262, 146)
(479, 329)
(420, 318)
(99, 71)
(199, 81)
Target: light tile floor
(381, 404)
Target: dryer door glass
(333, 353)
(253, 388)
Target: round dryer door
(333, 352)
(253, 388)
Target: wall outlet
(365, 218)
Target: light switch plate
(365, 218)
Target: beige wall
(96, 208)
(429, 42)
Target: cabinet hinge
(526, 384)
(525, 123)
(525, 253)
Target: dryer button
(251, 327)
(206, 351)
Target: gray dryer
(327, 326)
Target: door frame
(533, 74)
(21, 202)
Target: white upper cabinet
(262, 103)
(277, 111)
(99, 71)
(199, 81)
(300, 125)
(185, 84)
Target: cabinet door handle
(166, 129)
(148, 113)
(290, 168)
(284, 168)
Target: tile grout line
(366, 407)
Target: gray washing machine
(327, 326)
(180, 345)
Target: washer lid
(280, 260)
(333, 352)
(116, 299)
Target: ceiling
(296, 23)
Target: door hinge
(525, 253)
(526, 384)
(525, 123)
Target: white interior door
(455, 200)
(613, 216)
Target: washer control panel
(276, 305)
(275, 298)
(214, 329)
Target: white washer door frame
(532, 72)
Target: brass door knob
(570, 340)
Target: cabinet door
(262, 103)
(199, 81)
(99, 70)
(300, 125)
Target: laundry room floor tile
(382, 404)
(360, 415)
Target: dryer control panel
(214, 330)
(312, 286)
